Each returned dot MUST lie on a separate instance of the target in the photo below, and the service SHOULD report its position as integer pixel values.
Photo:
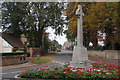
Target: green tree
(13, 15)
(54, 43)
(32, 19)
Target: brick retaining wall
(35, 51)
(11, 60)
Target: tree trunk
(38, 39)
(108, 37)
(113, 46)
(86, 40)
(95, 43)
(94, 40)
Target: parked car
(58, 50)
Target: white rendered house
(5, 46)
(8, 43)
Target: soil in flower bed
(100, 70)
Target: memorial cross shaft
(80, 56)
(79, 14)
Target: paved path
(59, 59)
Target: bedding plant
(99, 70)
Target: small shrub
(52, 48)
(28, 54)
(14, 50)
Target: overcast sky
(52, 36)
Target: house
(101, 41)
(66, 45)
(9, 42)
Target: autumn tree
(107, 17)
(72, 25)
(99, 18)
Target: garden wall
(11, 60)
(110, 54)
(35, 51)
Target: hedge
(14, 53)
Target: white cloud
(52, 36)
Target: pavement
(18, 66)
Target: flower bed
(100, 70)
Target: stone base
(84, 64)
(79, 64)
(80, 57)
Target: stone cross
(79, 14)
(80, 56)
(79, 11)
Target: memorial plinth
(80, 55)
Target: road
(59, 59)
(66, 56)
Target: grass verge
(53, 52)
(41, 60)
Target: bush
(52, 48)
(14, 50)
(28, 54)
(19, 51)
(12, 53)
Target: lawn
(53, 52)
(41, 60)
(99, 70)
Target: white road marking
(56, 62)
(16, 76)
(59, 62)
